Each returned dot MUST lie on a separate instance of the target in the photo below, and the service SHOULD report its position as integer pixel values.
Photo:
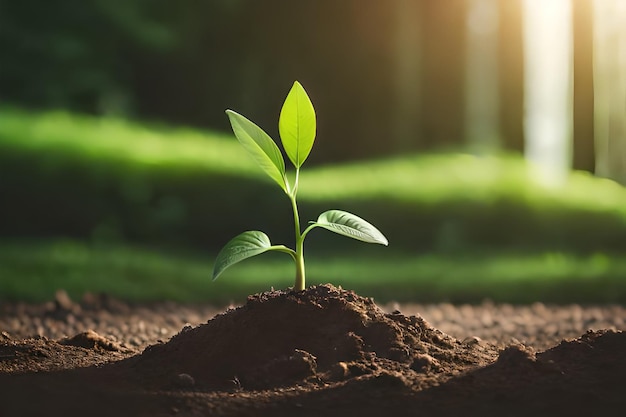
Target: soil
(322, 351)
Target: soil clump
(322, 351)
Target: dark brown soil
(323, 351)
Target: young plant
(297, 128)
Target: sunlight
(548, 87)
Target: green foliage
(297, 125)
(64, 174)
(297, 128)
(244, 246)
(262, 148)
(349, 225)
(33, 271)
(79, 54)
(114, 145)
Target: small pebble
(185, 380)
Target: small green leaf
(262, 148)
(243, 246)
(297, 125)
(348, 224)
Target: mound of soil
(319, 351)
(318, 336)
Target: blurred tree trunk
(583, 146)
(481, 102)
(407, 44)
(548, 88)
(610, 88)
(443, 72)
(511, 74)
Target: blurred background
(485, 138)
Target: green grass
(424, 178)
(117, 142)
(433, 178)
(152, 183)
(34, 271)
(461, 227)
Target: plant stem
(299, 284)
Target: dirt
(322, 351)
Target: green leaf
(262, 148)
(243, 246)
(348, 224)
(297, 125)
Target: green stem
(299, 284)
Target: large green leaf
(297, 125)
(243, 246)
(258, 144)
(348, 224)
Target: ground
(324, 351)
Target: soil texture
(322, 351)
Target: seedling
(297, 128)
